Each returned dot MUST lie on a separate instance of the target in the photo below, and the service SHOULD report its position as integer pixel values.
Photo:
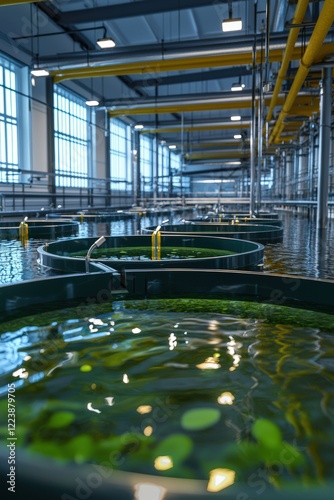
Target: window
(71, 139)
(120, 156)
(9, 156)
(146, 163)
(181, 185)
(163, 168)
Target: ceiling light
(172, 146)
(92, 102)
(106, 43)
(236, 87)
(139, 126)
(39, 72)
(237, 136)
(235, 118)
(232, 24)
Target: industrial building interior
(183, 109)
(166, 249)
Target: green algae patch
(267, 313)
(146, 252)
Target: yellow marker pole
(23, 232)
(153, 245)
(158, 245)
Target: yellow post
(24, 231)
(156, 244)
(153, 245)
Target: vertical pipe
(182, 155)
(253, 123)
(107, 158)
(50, 140)
(311, 161)
(156, 161)
(324, 138)
(170, 175)
(137, 170)
(289, 175)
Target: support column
(107, 158)
(50, 141)
(289, 176)
(324, 138)
(253, 122)
(303, 157)
(136, 169)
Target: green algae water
(179, 388)
(145, 253)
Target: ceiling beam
(133, 9)
(201, 76)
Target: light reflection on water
(304, 251)
(276, 372)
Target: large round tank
(58, 443)
(251, 232)
(125, 252)
(49, 228)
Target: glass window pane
(71, 139)
(9, 156)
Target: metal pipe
(175, 63)
(324, 139)
(97, 243)
(253, 122)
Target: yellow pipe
(180, 64)
(292, 38)
(156, 245)
(23, 232)
(4, 3)
(194, 106)
(172, 130)
(311, 55)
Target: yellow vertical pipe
(292, 38)
(153, 245)
(23, 232)
(158, 245)
(323, 25)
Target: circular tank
(49, 229)
(176, 251)
(41, 477)
(251, 232)
(236, 219)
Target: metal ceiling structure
(173, 67)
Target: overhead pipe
(303, 99)
(200, 104)
(196, 127)
(311, 55)
(6, 3)
(216, 154)
(299, 15)
(148, 66)
(150, 52)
